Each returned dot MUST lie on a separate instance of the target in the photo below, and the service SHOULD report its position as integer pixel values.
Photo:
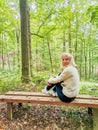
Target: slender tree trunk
(92, 55)
(2, 55)
(50, 55)
(85, 60)
(18, 48)
(69, 36)
(8, 58)
(24, 42)
(36, 51)
(64, 42)
(89, 62)
(81, 61)
(76, 39)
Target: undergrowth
(11, 80)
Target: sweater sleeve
(62, 77)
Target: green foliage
(40, 79)
(93, 13)
(11, 80)
(90, 88)
(8, 80)
(78, 116)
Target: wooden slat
(45, 95)
(82, 96)
(49, 100)
(17, 93)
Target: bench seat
(84, 102)
(87, 101)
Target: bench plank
(27, 94)
(46, 95)
(49, 100)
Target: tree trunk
(24, 42)
(69, 36)
(76, 37)
(64, 42)
(50, 54)
(2, 54)
(29, 38)
(18, 47)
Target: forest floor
(45, 117)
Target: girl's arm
(63, 76)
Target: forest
(34, 34)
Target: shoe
(53, 93)
(45, 91)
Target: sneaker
(53, 93)
(45, 91)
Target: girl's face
(65, 60)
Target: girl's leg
(60, 94)
(54, 89)
(49, 87)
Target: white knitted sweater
(70, 78)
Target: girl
(66, 84)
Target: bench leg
(95, 119)
(9, 111)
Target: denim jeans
(58, 88)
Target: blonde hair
(72, 61)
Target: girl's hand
(49, 84)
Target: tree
(25, 42)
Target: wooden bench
(40, 98)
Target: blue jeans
(58, 88)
